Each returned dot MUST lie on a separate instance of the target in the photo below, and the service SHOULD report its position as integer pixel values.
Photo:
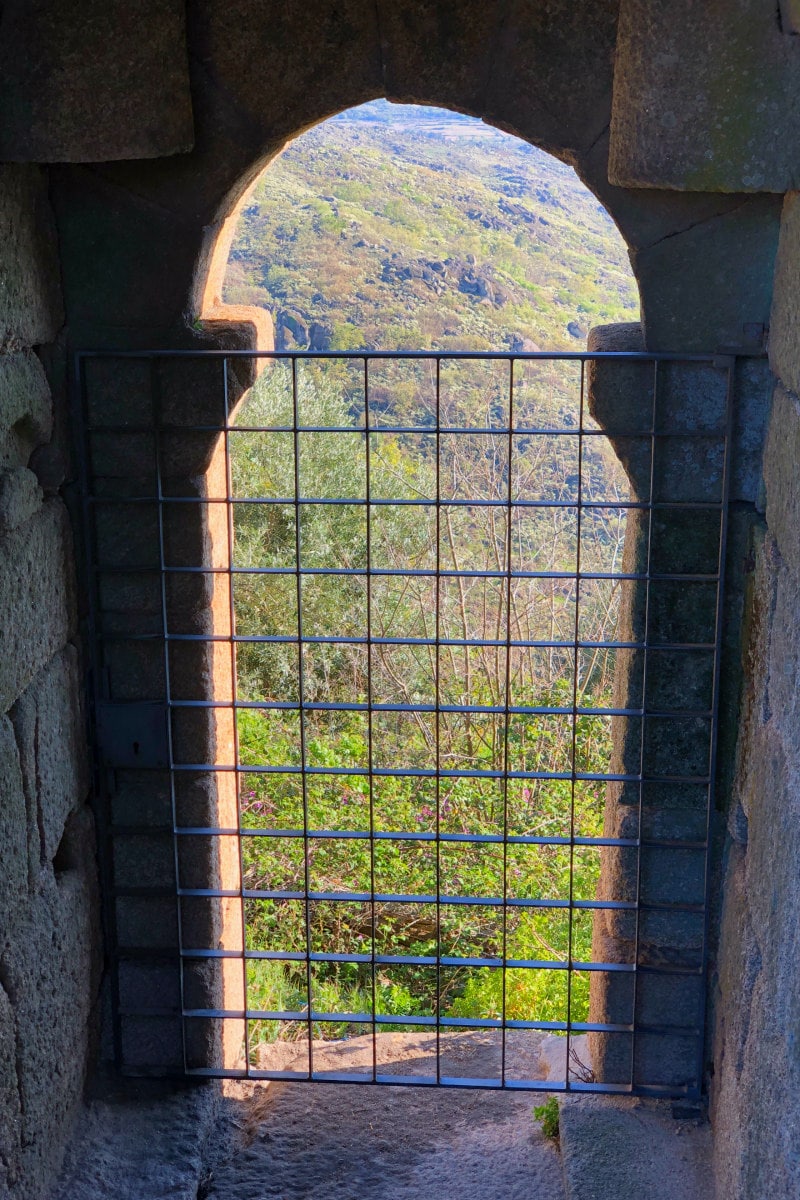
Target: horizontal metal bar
(402, 836)
(472, 643)
(711, 358)
(415, 573)
(430, 773)
(486, 709)
(472, 839)
(671, 1031)
(610, 505)
(381, 898)
(654, 1091)
(430, 430)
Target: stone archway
(141, 241)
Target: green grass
(347, 865)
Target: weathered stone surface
(706, 98)
(646, 215)
(26, 408)
(10, 1119)
(701, 287)
(20, 498)
(415, 39)
(139, 1143)
(30, 300)
(754, 384)
(105, 80)
(757, 1004)
(527, 89)
(691, 396)
(14, 824)
(36, 597)
(142, 798)
(784, 336)
(49, 973)
(152, 1044)
(623, 1147)
(781, 479)
(49, 725)
(146, 922)
(289, 60)
(144, 861)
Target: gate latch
(132, 734)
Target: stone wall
(756, 1049)
(209, 93)
(48, 902)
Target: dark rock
(294, 325)
(523, 345)
(319, 335)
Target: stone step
(614, 1147)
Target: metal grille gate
(405, 695)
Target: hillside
(395, 226)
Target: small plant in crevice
(547, 1115)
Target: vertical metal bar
(155, 386)
(301, 702)
(645, 638)
(719, 619)
(506, 717)
(234, 700)
(573, 773)
(370, 699)
(101, 805)
(438, 702)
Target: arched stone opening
(125, 230)
(209, 291)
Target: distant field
(396, 226)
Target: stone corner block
(31, 311)
(705, 98)
(14, 827)
(784, 335)
(48, 722)
(101, 80)
(26, 408)
(36, 597)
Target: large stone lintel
(93, 81)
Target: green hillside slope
(396, 226)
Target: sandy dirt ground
(333, 1141)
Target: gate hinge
(132, 734)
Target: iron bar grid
(443, 977)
